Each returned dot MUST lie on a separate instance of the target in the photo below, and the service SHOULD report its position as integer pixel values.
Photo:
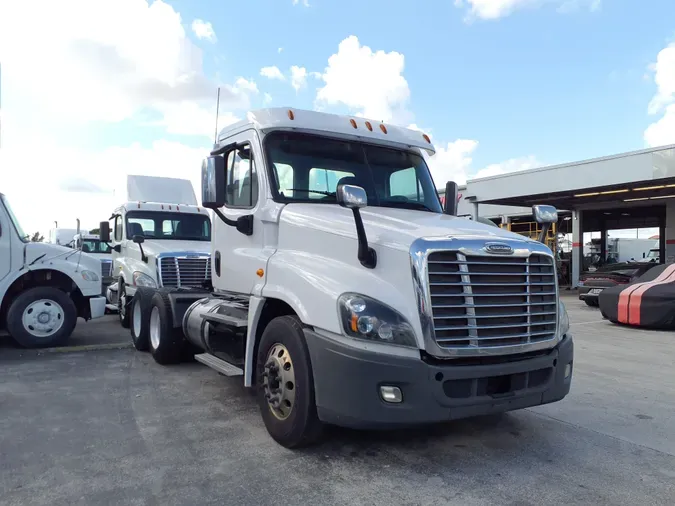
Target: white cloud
(664, 77)
(298, 77)
(203, 30)
(83, 184)
(662, 131)
(279, 50)
(267, 98)
(101, 63)
(303, 2)
(367, 82)
(272, 72)
(494, 9)
(454, 162)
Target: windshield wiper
(406, 205)
(320, 192)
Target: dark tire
(122, 304)
(591, 303)
(139, 318)
(166, 343)
(54, 305)
(301, 426)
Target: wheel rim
(43, 318)
(137, 318)
(154, 328)
(122, 305)
(279, 381)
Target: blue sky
(501, 85)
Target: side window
(118, 228)
(404, 183)
(323, 180)
(242, 179)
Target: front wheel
(139, 318)
(41, 317)
(122, 308)
(285, 386)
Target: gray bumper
(347, 384)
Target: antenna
(215, 136)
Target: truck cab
(160, 237)
(92, 245)
(346, 294)
(44, 287)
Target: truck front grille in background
(190, 272)
(485, 301)
(106, 269)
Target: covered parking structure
(630, 190)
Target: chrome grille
(183, 271)
(106, 268)
(486, 301)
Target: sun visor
(160, 189)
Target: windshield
(176, 226)
(653, 253)
(308, 168)
(94, 246)
(12, 218)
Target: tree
(36, 237)
(95, 231)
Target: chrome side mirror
(351, 196)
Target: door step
(219, 365)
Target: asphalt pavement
(110, 426)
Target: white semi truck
(44, 287)
(345, 294)
(92, 245)
(161, 239)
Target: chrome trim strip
(471, 246)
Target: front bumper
(347, 381)
(96, 307)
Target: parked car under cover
(591, 284)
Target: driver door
(237, 257)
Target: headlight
(89, 276)
(141, 279)
(564, 319)
(370, 320)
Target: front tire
(122, 309)
(285, 385)
(41, 317)
(139, 318)
(166, 342)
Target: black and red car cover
(649, 301)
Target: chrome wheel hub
(279, 381)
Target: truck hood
(154, 248)
(391, 227)
(66, 259)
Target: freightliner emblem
(498, 248)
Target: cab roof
(162, 206)
(357, 128)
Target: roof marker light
(369, 126)
(291, 116)
(353, 122)
(383, 128)
(426, 138)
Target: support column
(603, 241)
(670, 233)
(577, 247)
(475, 210)
(505, 221)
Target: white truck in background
(345, 294)
(44, 287)
(92, 245)
(61, 236)
(160, 238)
